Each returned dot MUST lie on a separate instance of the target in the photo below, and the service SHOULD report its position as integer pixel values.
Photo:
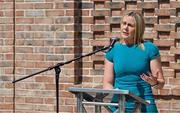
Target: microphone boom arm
(63, 63)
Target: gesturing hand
(149, 78)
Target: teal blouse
(130, 61)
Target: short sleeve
(109, 55)
(153, 51)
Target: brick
(60, 5)
(25, 107)
(34, 100)
(175, 4)
(5, 6)
(148, 35)
(45, 107)
(173, 35)
(99, 0)
(174, 81)
(9, 99)
(1, 13)
(99, 42)
(6, 20)
(100, 20)
(88, 79)
(175, 50)
(43, 21)
(8, 14)
(150, 20)
(40, 28)
(98, 80)
(36, 13)
(68, 109)
(6, 63)
(24, 20)
(6, 106)
(50, 86)
(5, 27)
(100, 28)
(168, 73)
(175, 65)
(115, 27)
(86, 28)
(130, 0)
(175, 20)
(86, 5)
(162, 12)
(164, 19)
(23, 27)
(98, 58)
(65, 35)
(70, 13)
(131, 5)
(117, 13)
(101, 12)
(67, 80)
(9, 56)
(115, 20)
(66, 5)
(176, 91)
(87, 20)
(116, 5)
(24, 49)
(66, 94)
(50, 13)
(54, 58)
(35, 0)
(8, 34)
(43, 64)
(164, 35)
(9, 70)
(51, 100)
(165, 92)
(20, 99)
(164, 4)
(5, 78)
(177, 35)
(8, 85)
(97, 72)
(24, 6)
(64, 50)
(43, 6)
(70, 101)
(165, 43)
(169, 27)
(167, 58)
(150, 5)
(164, 105)
(175, 105)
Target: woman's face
(127, 27)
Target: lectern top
(105, 91)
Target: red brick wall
(51, 31)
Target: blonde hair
(139, 26)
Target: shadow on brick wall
(78, 41)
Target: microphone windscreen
(114, 38)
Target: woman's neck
(127, 41)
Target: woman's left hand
(149, 78)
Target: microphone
(113, 40)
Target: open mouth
(125, 33)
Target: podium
(96, 97)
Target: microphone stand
(58, 70)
